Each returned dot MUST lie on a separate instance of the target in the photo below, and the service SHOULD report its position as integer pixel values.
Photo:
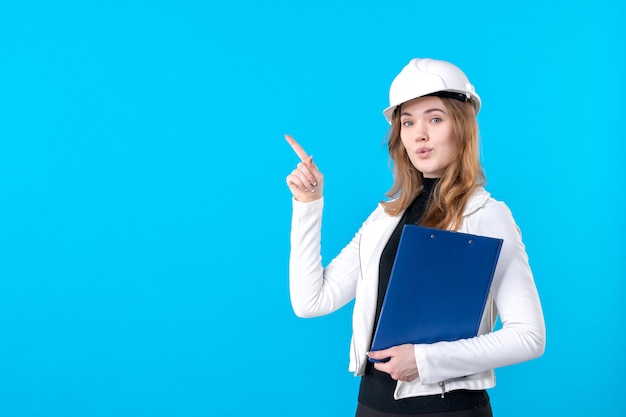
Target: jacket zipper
(442, 384)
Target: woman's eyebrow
(435, 109)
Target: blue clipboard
(438, 287)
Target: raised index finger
(299, 150)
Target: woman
(438, 182)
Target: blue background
(144, 216)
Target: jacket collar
(382, 228)
(479, 198)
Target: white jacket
(442, 366)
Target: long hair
(461, 177)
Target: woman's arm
(522, 336)
(315, 290)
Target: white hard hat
(425, 76)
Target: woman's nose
(421, 136)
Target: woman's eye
(407, 123)
(436, 120)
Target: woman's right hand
(306, 182)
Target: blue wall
(144, 216)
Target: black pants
(363, 411)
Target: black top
(377, 388)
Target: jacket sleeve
(315, 290)
(522, 336)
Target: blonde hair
(461, 177)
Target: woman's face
(426, 133)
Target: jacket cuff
(424, 367)
(304, 208)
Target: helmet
(425, 76)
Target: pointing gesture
(306, 182)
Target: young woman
(438, 182)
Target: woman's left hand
(401, 364)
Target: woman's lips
(423, 152)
